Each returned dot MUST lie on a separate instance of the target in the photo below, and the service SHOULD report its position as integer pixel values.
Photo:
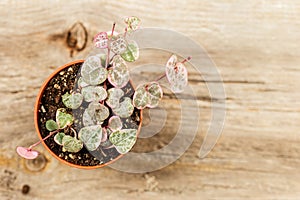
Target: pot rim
(36, 107)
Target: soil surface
(65, 81)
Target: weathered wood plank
(255, 46)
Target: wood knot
(77, 37)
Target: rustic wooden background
(255, 45)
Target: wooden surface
(255, 45)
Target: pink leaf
(27, 153)
(101, 40)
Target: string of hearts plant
(101, 85)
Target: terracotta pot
(36, 120)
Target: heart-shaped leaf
(58, 138)
(72, 101)
(27, 153)
(132, 52)
(92, 71)
(147, 95)
(133, 23)
(118, 75)
(115, 123)
(71, 144)
(91, 136)
(125, 108)
(123, 140)
(114, 96)
(96, 113)
(176, 74)
(94, 93)
(63, 119)
(118, 44)
(81, 83)
(101, 40)
(155, 94)
(51, 125)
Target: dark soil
(65, 81)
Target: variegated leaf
(115, 123)
(101, 40)
(72, 101)
(58, 138)
(92, 71)
(113, 97)
(71, 144)
(132, 52)
(91, 136)
(177, 77)
(140, 97)
(118, 44)
(133, 23)
(118, 75)
(95, 114)
(63, 119)
(123, 140)
(147, 95)
(125, 108)
(94, 93)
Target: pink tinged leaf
(133, 23)
(118, 75)
(118, 44)
(147, 95)
(176, 74)
(101, 40)
(104, 135)
(115, 123)
(172, 61)
(27, 153)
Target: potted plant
(87, 113)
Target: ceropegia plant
(102, 95)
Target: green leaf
(51, 125)
(94, 93)
(92, 71)
(118, 75)
(72, 144)
(59, 137)
(132, 52)
(114, 96)
(63, 119)
(125, 108)
(72, 101)
(91, 136)
(123, 140)
(115, 123)
(147, 95)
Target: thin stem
(45, 138)
(161, 77)
(186, 59)
(108, 49)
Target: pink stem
(108, 49)
(187, 59)
(45, 138)
(161, 77)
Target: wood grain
(254, 45)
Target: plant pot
(47, 102)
